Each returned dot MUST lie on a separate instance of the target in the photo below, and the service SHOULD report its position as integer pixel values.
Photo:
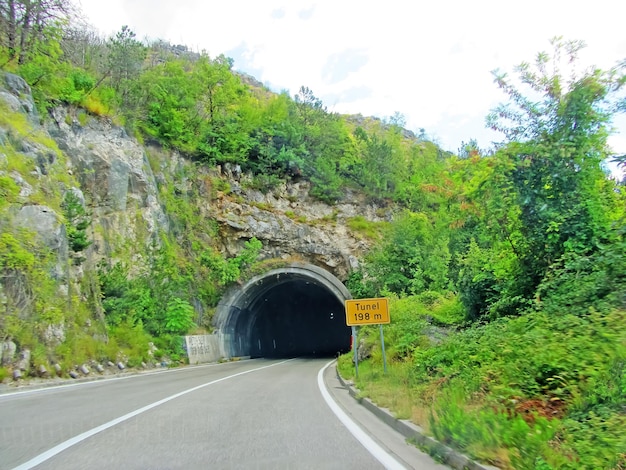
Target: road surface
(259, 414)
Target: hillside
(142, 185)
(94, 216)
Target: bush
(77, 222)
(265, 182)
(578, 282)
(9, 190)
(179, 317)
(483, 432)
(366, 228)
(543, 390)
(170, 345)
(132, 340)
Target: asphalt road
(250, 414)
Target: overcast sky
(430, 61)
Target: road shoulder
(385, 436)
(371, 417)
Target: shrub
(179, 317)
(77, 222)
(132, 340)
(368, 229)
(9, 190)
(170, 345)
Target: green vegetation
(77, 222)
(360, 225)
(516, 392)
(506, 269)
(32, 304)
(530, 371)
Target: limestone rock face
(121, 195)
(18, 96)
(113, 169)
(291, 224)
(51, 232)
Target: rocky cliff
(127, 190)
(122, 191)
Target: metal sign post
(356, 355)
(382, 342)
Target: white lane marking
(370, 444)
(87, 434)
(97, 380)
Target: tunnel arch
(292, 311)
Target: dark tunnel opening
(298, 318)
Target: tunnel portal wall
(235, 314)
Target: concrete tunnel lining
(250, 318)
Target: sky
(429, 61)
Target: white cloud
(429, 61)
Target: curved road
(249, 414)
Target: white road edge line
(87, 434)
(372, 446)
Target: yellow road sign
(367, 312)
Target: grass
(366, 228)
(297, 218)
(330, 218)
(264, 206)
(537, 391)
(95, 107)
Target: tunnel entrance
(298, 318)
(287, 312)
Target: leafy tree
(125, 61)
(555, 148)
(397, 120)
(382, 163)
(51, 78)
(412, 258)
(272, 148)
(310, 110)
(327, 183)
(25, 24)
(421, 178)
(219, 86)
(171, 105)
(317, 125)
(323, 142)
(469, 149)
(224, 137)
(331, 154)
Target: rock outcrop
(291, 224)
(17, 95)
(113, 169)
(123, 198)
(51, 233)
(110, 174)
